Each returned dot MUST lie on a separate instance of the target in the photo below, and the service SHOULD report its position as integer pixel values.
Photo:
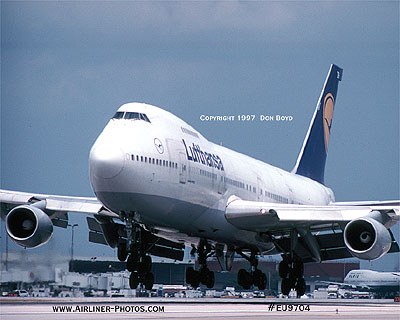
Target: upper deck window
(118, 115)
(144, 117)
(131, 116)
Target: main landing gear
(138, 262)
(203, 275)
(254, 277)
(291, 271)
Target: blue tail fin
(312, 157)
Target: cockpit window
(131, 116)
(145, 117)
(118, 115)
(136, 116)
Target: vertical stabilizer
(312, 157)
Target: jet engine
(28, 226)
(367, 238)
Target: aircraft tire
(133, 280)
(300, 287)
(144, 266)
(240, 277)
(262, 281)
(189, 275)
(121, 252)
(204, 275)
(196, 279)
(132, 262)
(286, 286)
(244, 279)
(148, 281)
(192, 277)
(210, 280)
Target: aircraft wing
(46, 211)
(320, 228)
(55, 206)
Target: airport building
(109, 273)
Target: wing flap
(97, 238)
(331, 247)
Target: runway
(220, 309)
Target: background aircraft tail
(311, 160)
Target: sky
(67, 66)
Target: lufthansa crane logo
(329, 103)
(159, 146)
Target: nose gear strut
(139, 262)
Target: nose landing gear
(139, 262)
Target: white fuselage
(175, 179)
(374, 280)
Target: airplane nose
(106, 160)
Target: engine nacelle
(367, 238)
(28, 226)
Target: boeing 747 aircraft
(161, 186)
(382, 284)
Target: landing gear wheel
(121, 252)
(286, 286)
(260, 280)
(133, 280)
(192, 277)
(209, 281)
(240, 277)
(300, 287)
(244, 279)
(132, 262)
(148, 281)
(145, 265)
(189, 275)
(204, 275)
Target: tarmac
(180, 308)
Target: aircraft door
(182, 168)
(221, 184)
(260, 189)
